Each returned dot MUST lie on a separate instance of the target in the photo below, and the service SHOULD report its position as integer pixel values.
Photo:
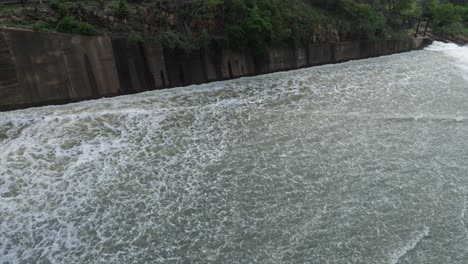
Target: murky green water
(361, 162)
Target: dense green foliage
(367, 20)
(86, 29)
(123, 9)
(135, 38)
(59, 7)
(256, 24)
(7, 9)
(261, 23)
(44, 26)
(449, 18)
(64, 22)
(68, 24)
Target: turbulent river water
(359, 162)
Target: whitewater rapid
(360, 162)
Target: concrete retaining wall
(10, 93)
(50, 68)
(321, 53)
(55, 68)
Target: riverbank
(51, 68)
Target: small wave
(458, 53)
(411, 245)
(395, 117)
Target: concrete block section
(398, 45)
(370, 49)
(40, 66)
(345, 51)
(100, 54)
(133, 67)
(420, 43)
(406, 45)
(174, 67)
(281, 58)
(236, 64)
(193, 66)
(157, 65)
(300, 53)
(58, 68)
(391, 47)
(10, 93)
(212, 63)
(319, 53)
(185, 68)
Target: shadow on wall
(51, 68)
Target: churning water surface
(359, 162)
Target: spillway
(360, 162)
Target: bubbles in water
(360, 162)
(458, 53)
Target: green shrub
(67, 24)
(123, 10)
(55, 4)
(59, 8)
(449, 18)
(86, 29)
(302, 18)
(204, 39)
(255, 25)
(446, 13)
(43, 26)
(135, 38)
(101, 3)
(366, 19)
(7, 9)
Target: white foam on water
(462, 218)
(458, 53)
(286, 167)
(410, 245)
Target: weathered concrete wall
(156, 65)
(133, 67)
(370, 49)
(193, 67)
(419, 43)
(10, 90)
(49, 68)
(300, 53)
(345, 51)
(212, 60)
(320, 53)
(281, 58)
(185, 68)
(58, 68)
(236, 64)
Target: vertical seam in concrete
(91, 77)
(333, 52)
(67, 76)
(202, 58)
(15, 64)
(148, 75)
